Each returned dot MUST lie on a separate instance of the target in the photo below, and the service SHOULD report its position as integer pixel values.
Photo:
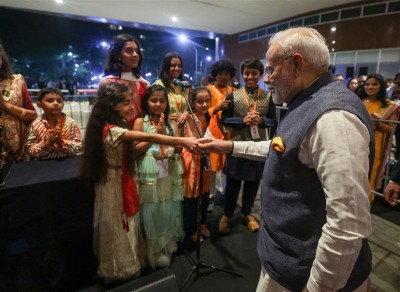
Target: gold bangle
(23, 113)
(381, 126)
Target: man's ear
(298, 63)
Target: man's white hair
(306, 41)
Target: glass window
(374, 9)
(367, 62)
(252, 35)
(389, 64)
(394, 6)
(298, 22)
(261, 33)
(332, 16)
(283, 26)
(271, 30)
(343, 61)
(243, 37)
(311, 20)
(351, 13)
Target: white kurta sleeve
(337, 146)
(251, 150)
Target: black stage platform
(46, 215)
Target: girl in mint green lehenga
(160, 181)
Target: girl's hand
(161, 126)
(191, 144)
(173, 117)
(181, 119)
(222, 106)
(391, 193)
(375, 116)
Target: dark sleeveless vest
(293, 201)
(241, 109)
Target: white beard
(277, 99)
(281, 92)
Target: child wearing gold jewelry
(160, 180)
(200, 99)
(108, 159)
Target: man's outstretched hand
(215, 145)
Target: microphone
(182, 83)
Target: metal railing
(77, 107)
(389, 163)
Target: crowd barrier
(77, 106)
(391, 160)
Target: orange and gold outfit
(218, 95)
(383, 133)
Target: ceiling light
(183, 38)
(333, 29)
(174, 19)
(59, 1)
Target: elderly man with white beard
(315, 210)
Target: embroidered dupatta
(128, 185)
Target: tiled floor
(385, 246)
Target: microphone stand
(197, 263)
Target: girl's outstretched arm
(189, 143)
(141, 146)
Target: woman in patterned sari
(379, 106)
(16, 109)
